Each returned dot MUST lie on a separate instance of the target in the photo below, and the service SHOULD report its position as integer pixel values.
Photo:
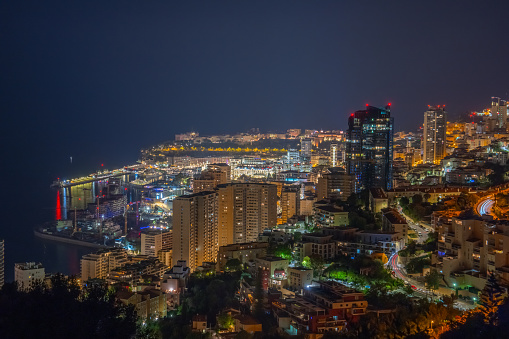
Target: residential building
(97, 265)
(243, 252)
(133, 271)
(335, 183)
(378, 200)
(195, 228)
(333, 154)
(327, 307)
(273, 271)
(246, 322)
(244, 211)
(499, 111)
(149, 303)
(434, 134)
(353, 242)
(369, 147)
(299, 277)
(305, 148)
(199, 323)
(174, 283)
(153, 241)
(165, 256)
(316, 244)
(469, 249)
(28, 274)
(290, 203)
(393, 221)
(329, 216)
(214, 175)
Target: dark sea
(28, 201)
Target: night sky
(99, 80)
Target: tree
(233, 265)
(93, 313)
(417, 199)
(225, 321)
(404, 202)
(283, 251)
(491, 299)
(317, 263)
(432, 280)
(297, 236)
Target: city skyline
(254, 169)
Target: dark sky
(111, 77)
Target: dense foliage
(63, 311)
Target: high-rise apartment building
(153, 241)
(335, 183)
(2, 263)
(334, 149)
(499, 111)
(245, 210)
(214, 175)
(290, 202)
(369, 147)
(195, 228)
(434, 135)
(28, 274)
(97, 265)
(305, 148)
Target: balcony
(358, 311)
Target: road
(418, 228)
(420, 290)
(485, 206)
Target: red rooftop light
(389, 104)
(367, 105)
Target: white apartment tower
(333, 154)
(434, 134)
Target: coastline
(66, 240)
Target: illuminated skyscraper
(333, 154)
(499, 111)
(369, 147)
(434, 135)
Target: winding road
(485, 206)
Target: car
(413, 287)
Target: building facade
(195, 228)
(98, 265)
(369, 147)
(245, 210)
(434, 135)
(153, 241)
(26, 275)
(335, 183)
